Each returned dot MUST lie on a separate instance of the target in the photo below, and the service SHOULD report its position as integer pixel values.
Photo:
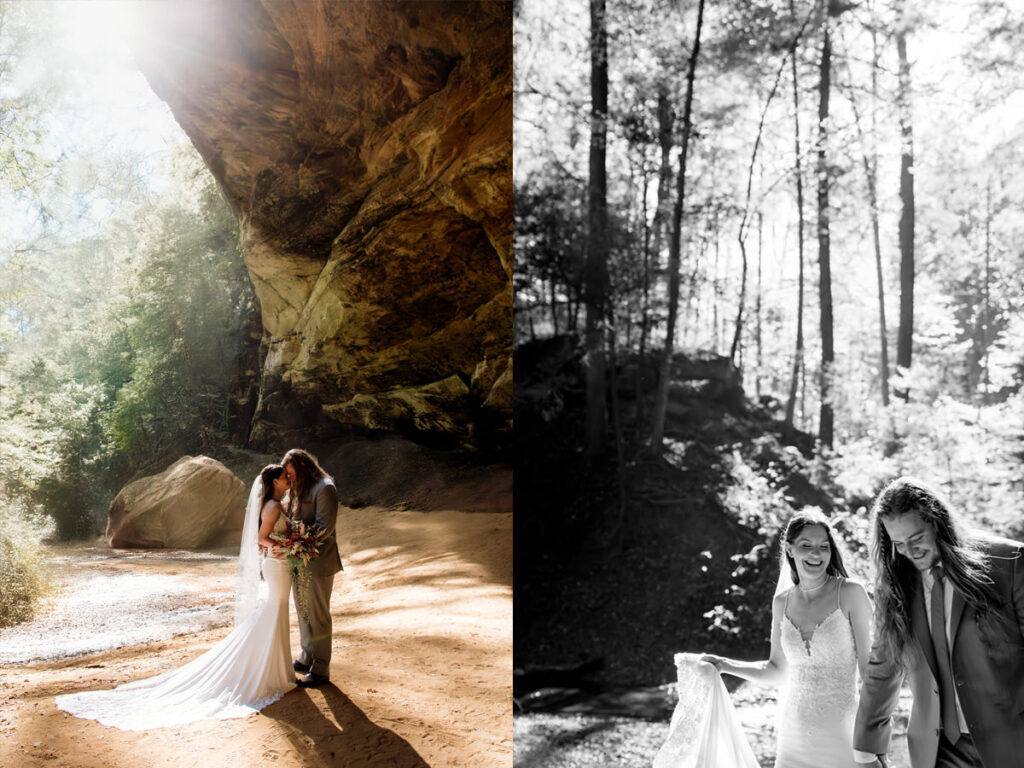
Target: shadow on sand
(349, 740)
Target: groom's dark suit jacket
(320, 508)
(988, 670)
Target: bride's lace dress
(817, 706)
(705, 732)
(818, 702)
(244, 672)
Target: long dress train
(246, 671)
(705, 732)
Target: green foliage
(123, 357)
(174, 333)
(972, 452)
(23, 580)
(758, 501)
(122, 290)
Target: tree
(798, 178)
(125, 354)
(869, 162)
(675, 246)
(905, 337)
(596, 270)
(825, 422)
(741, 236)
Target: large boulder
(366, 150)
(195, 501)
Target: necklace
(828, 578)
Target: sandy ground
(421, 673)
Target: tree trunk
(986, 311)
(798, 355)
(875, 229)
(905, 337)
(869, 161)
(693, 303)
(745, 220)
(759, 362)
(596, 267)
(553, 293)
(716, 288)
(666, 125)
(645, 305)
(675, 248)
(825, 423)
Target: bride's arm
(270, 515)
(859, 607)
(772, 671)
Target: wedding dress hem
(243, 673)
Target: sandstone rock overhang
(365, 148)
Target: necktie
(947, 697)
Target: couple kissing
(289, 544)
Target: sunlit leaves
(118, 347)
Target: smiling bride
(821, 636)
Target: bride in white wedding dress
(821, 636)
(244, 672)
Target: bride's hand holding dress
(820, 638)
(771, 671)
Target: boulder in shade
(195, 501)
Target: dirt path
(420, 674)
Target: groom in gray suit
(313, 499)
(949, 615)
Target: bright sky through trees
(963, 112)
(123, 297)
(98, 117)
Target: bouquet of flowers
(301, 542)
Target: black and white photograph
(769, 350)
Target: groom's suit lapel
(919, 622)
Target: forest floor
(605, 731)
(621, 562)
(620, 583)
(419, 677)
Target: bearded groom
(949, 614)
(313, 499)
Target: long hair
(797, 523)
(307, 473)
(268, 475)
(963, 561)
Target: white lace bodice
(281, 524)
(818, 702)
